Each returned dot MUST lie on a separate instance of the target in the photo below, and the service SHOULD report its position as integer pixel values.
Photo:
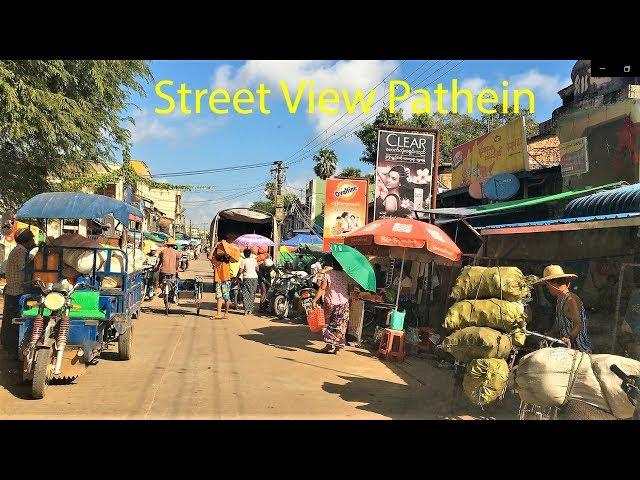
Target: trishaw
(67, 324)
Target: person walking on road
(15, 267)
(335, 288)
(571, 318)
(249, 271)
(222, 280)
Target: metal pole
(400, 278)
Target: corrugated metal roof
(620, 200)
(559, 221)
(526, 202)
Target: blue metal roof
(302, 238)
(560, 221)
(75, 206)
(619, 200)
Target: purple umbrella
(253, 240)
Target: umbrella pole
(400, 278)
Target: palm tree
(351, 172)
(326, 163)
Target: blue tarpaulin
(302, 239)
(77, 206)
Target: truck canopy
(231, 223)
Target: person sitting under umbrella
(336, 288)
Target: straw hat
(553, 272)
(171, 241)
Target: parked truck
(231, 223)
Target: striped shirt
(565, 325)
(15, 271)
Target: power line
(211, 170)
(302, 158)
(345, 113)
(359, 115)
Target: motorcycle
(148, 282)
(184, 262)
(287, 291)
(630, 386)
(43, 354)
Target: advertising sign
(503, 150)
(403, 173)
(345, 209)
(573, 157)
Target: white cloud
(172, 127)
(475, 84)
(542, 85)
(348, 75)
(148, 127)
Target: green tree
(326, 163)
(350, 172)
(57, 116)
(495, 120)
(269, 205)
(368, 134)
(454, 129)
(264, 205)
(127, 175)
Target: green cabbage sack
(485, 380)
(518, 337)
(477, 342)
(504, 283)
(497, 314)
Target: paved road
(188, 366)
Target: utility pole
(279, 204)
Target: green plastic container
(397, 320)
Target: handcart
(190, 288)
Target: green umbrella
(355, 265)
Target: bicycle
(169, 289)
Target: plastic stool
(392, 345)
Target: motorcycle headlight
(54, 301)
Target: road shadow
(10, 375)
(424, 380)
(110, 357)
(390, 399)
(287, 338)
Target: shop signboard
(403, 173)
(345, 208)
(574, 159)
(503, 150)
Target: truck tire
(41, 373)
(125, 344)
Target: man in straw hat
(16, 286)
(571, 319)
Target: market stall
(405, 239)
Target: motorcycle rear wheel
(41, 373)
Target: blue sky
(178, 142)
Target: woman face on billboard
(393, 180)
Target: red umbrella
(404, 233)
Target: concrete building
(314, 201)
(605, 110)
